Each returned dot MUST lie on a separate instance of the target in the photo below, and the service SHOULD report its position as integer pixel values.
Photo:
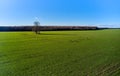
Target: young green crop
(60, 53)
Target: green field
(60, 53)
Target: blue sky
(60, 12)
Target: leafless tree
(36, 27)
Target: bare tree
(36, 27)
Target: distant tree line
(47, 28)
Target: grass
(60, 53)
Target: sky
(104, 13)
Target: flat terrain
(60, 53)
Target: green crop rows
(60, 53)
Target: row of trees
(46, 28)
(37, 27)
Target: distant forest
(47, 28)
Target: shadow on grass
(53, 34)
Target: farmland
(60, 53)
